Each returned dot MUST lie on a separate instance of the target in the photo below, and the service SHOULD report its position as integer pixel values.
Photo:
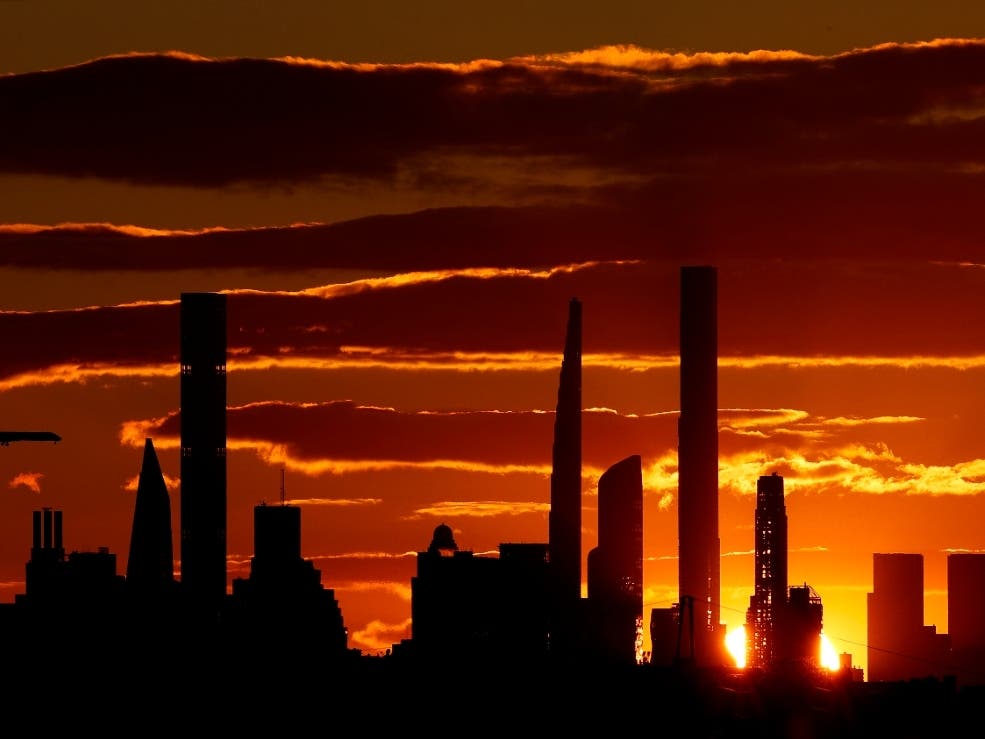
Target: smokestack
(697, 500)
(36, 529)
(58, 530)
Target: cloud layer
(183, 119)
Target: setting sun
(735, 643)
(829, 657)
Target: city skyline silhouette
(565, 627)
(854, 644)
(397, 231)
(499, 616)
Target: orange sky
(399, 242)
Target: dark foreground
(245, 693)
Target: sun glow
(829, 657)
(735, 643)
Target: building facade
(699, 566)
(203, 451)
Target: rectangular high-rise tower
(770, 594)
(894, 623)
(966, 600)
(697, 451)
(966, 616)
(203, 448)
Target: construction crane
(8, 436)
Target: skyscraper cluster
(78, 601)
(523, 606)
(483, 608)
(900, 645)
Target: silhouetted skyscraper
(894, 614)
(966, 599)
(282, 610)
(697, 498)
(797, 629)
(615, 566)
(448, 621)
(73, 604)
(966, 615)
(565, 514)
(770, 590)
(900, 647)
(44, 571)
(478, 610)
(150, 565)
(203, 448)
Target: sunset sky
(401, 199)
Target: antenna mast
(282, 493)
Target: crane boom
(8, 436)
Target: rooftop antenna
(282, 493)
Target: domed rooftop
(443, 539)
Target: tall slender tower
(565, 515)
(150, 566)
(770, 590)
(697, 449)
(203, 449)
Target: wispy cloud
(334, 502)
(172, 483)
(480, 509)
(378, 636)
(29, 480)
(365, 555)
(788, 441)
(401, 359)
